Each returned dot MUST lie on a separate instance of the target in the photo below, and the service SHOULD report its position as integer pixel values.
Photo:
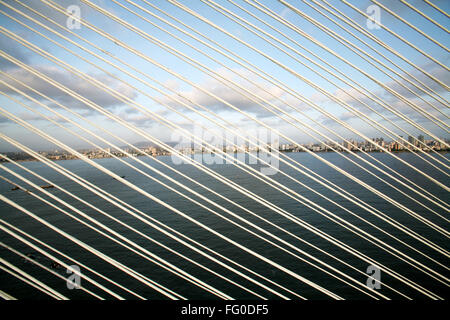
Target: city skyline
(353, 145)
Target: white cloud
(82, 87)
(241, 100)
(349, 95)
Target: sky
(153, 78)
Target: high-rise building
(412, 140)
(421, 138)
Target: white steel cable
(222, 208)
(43, 159)
(116, 43)
(346, 140)
(194, 110)
(6, 296)
(410, 25)
(96, 136)
(15, 232)
(67, 109)
(145, 35)
(249, 116)
(243, 208)
(423, 86)
(140, 171)
(205, 287)
(120, 222)
(359, 51)
(387, 88)
(303, 34)
(167, 266)
(334, 35)
(257, 85)
(102, 69)
(6, 138)
(400, 38)
(134, 230)
(40, 265)
(52, 165)
(424, 15)
(304, 79)
(353, 84)
(437, 8)
(33, 279)
(30, 280)
(321, 269)
(36, 186)
(180, 234)
(265, 279)
(345, 18)
(225, 49)
(134, 274)
(186, 26)
(52, 101)
(157, 200)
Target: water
(157, 211)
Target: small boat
(55, 265)
(15, 188)
(29, 258)
(47, 186)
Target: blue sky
(203, 80)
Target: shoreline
(280, 151)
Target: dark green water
(166, 216)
